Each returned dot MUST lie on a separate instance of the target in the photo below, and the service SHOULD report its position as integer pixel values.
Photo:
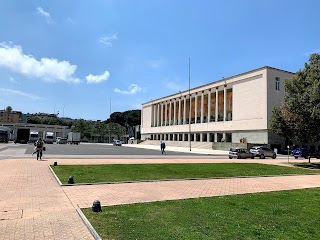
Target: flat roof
(222, 80)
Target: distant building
(44, 115)
(9, 116)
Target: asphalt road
(94, 149)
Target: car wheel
(230, 157)
(262, 156)
(239, 157)
(252, 157)
(274, 156)
(296, 157)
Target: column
(215, 137)
(158, 114)
(225, 103)
(154, 115)
(208, 137)
(170, 112)
(185, 110)
(201, 137)
(190, 101)
(166, 114)
(196, 108)
(202, 106)
(209, 105)
(161, 114)
(216, 105)
(174, 111)
(179, 113)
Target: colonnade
(212, 105)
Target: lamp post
(189, 110)
(110, 123)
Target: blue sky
(75, 57)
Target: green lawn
(275, 215)
(138, 172)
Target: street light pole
(189, 110)
(110, 123)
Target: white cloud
(175, 86)
(12, 58)
(97, 78)
(136, 106)
(11, 79)
(155, 63)
(133, 88)
(311, 52)
(106, 40)
(44, 14)
(19, 93)
(70, 20)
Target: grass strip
(140, 172)
(274, 215)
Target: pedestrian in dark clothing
(38, 148)
(162, 147)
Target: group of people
(39, 147)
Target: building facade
(8, 116)
(234, 110)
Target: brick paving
(128, 193)
(34, 206)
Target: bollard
(96, 206)
(70, 180)
(55, 164)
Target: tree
(299, 116)
(8, 108)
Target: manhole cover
(10, 215)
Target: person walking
(39, 148)
(162, 146)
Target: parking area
(99, 150)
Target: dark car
(238, 152)
(306, 153)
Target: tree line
(119, 124)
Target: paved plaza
(34, 206)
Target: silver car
(263, 152)
(238, 152)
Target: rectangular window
(278, 83)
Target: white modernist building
(230, 112)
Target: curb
(182, 179)
(88, 224)
(57, 179)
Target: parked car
(239, 152)
(117, 143)
(300, 152)
(61, 140)
(305, 153)
(263, 152)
